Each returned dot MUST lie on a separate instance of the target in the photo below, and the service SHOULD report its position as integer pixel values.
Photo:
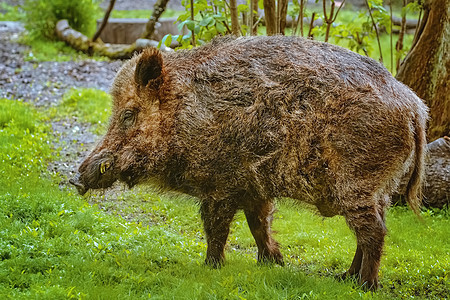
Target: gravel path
(43, 84)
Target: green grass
(88, 105)
(54, 245)
(46, 50)
(142, 14)
(11, 13)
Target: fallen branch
(82, 43)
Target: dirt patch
(43, 84)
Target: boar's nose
(96, 172)
(78, 184)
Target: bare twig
(329, 20)
(311, 25)
(390, 37)
(399, 44)
(299, 19)
(192, 19)
(105, 20)
(376, 30)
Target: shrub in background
(42, 16)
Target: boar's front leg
(353, 271)
(217, 217)
(259, 218)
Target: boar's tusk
(104, 166)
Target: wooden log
(437, 180)
(436, 190)
(128, 30)
(82, 43)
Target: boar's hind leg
(217, 217)
(368, 224)
(259, 220)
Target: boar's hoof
(370, 285)
(276, 258)
(214, 262)
(347, 276)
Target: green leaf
(242, 8)
(197, 29)
(220, 27)
(166, 40)
(207, 21)
(190, 25)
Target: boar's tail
(414, 187)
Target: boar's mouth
(96, 172)
(78, 184)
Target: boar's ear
(149, 68)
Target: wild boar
(240, 122)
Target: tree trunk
(270, 17)
(426, 67)
(436, 192)
(158, 9)
(254, 17)
(281, 16)
(437, 180)
(235, 28)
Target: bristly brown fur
(240, 122)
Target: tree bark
(270, 17)
(426, 68)
(254, 17)
(158, 9)
(436, 192)
(437, 180)
(235, 28)
(399, 44)
(281, 16)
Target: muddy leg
(353, 271)
(259, 220)
(217, 217)
(369, 227)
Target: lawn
(134, 244)
(55, 244)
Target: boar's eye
(127, 118)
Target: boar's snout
(78, 184)
(96, 172)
